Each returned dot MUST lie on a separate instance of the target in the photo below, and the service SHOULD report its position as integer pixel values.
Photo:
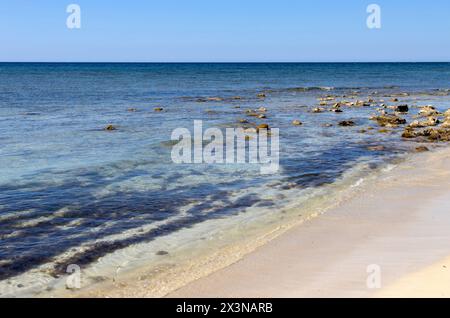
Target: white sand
(401, 224)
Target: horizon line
(221, 62)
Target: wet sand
(400, 224)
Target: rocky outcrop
(427, 111)
(447, 113)
(430, 134)
(389, 120)
(446, 123)
(409, 133)
(436, 134)
(431, 121)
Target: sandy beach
(400, 225)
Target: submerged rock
(214, 99)
(422, 149)
(376, 148)
(209, 99)
(297, 123)
(110, 128)
(346, 123)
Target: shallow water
(71, 193)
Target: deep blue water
(65, 182)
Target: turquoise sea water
(65, 183)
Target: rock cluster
(429, 129)
(389, 120)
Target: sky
(224, 31)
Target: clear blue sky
(224, 30)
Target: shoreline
(235, 238)
(400, 224)
(335, 244)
